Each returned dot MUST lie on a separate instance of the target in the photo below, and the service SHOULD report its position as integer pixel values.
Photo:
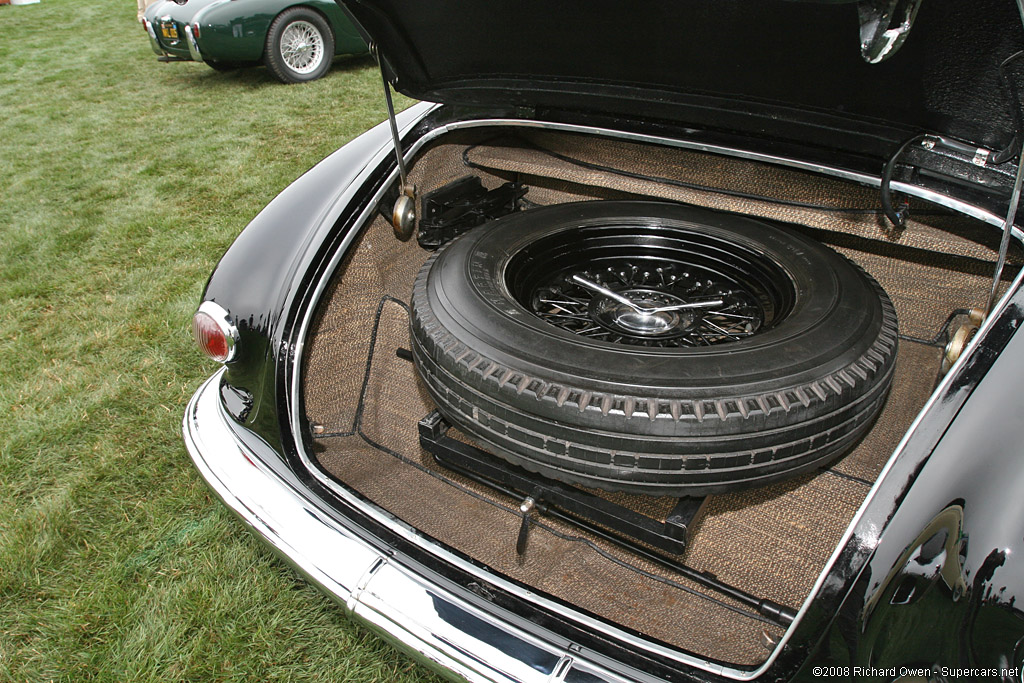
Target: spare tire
(651, 347)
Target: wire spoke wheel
(299, 45)
(302, 47)
(680, 290)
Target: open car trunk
(366, 399)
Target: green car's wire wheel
(653, 348)
(300, 46)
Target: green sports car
(295, 39)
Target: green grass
(122, 180)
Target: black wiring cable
(942, 336)
(898, 217)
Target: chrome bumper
(153, 41)
(424, 619)
(193, 46)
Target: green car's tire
(300, 46)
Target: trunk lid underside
(778, 68)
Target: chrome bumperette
(193, 46)
(425, 619)
(154, 42)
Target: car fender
(261, 273)
(951, 560)
(944, 530)
(186, 13)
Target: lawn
(123, 180)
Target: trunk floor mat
(772, 541)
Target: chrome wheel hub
(646, 322)
(652, 287)
(302, 47)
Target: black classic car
(663, 343)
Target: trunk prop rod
(1004, 244)
(403, 215)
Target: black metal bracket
(544, 496)
(451, 210)
(627, 528)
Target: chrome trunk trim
(397, 526)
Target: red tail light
(212, 328)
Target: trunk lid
(791, 70)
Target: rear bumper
(182, 49)
(417, 615)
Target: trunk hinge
(403, 215)
(895, 206)
(978, 156)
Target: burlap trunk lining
(772, 542)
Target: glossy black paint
(265, 281)
(976, 471)
(941, 587)
(785, 69)
(255, 278)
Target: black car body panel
(256, 277)
(940, 586)
(706, 69)
(929, 574)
